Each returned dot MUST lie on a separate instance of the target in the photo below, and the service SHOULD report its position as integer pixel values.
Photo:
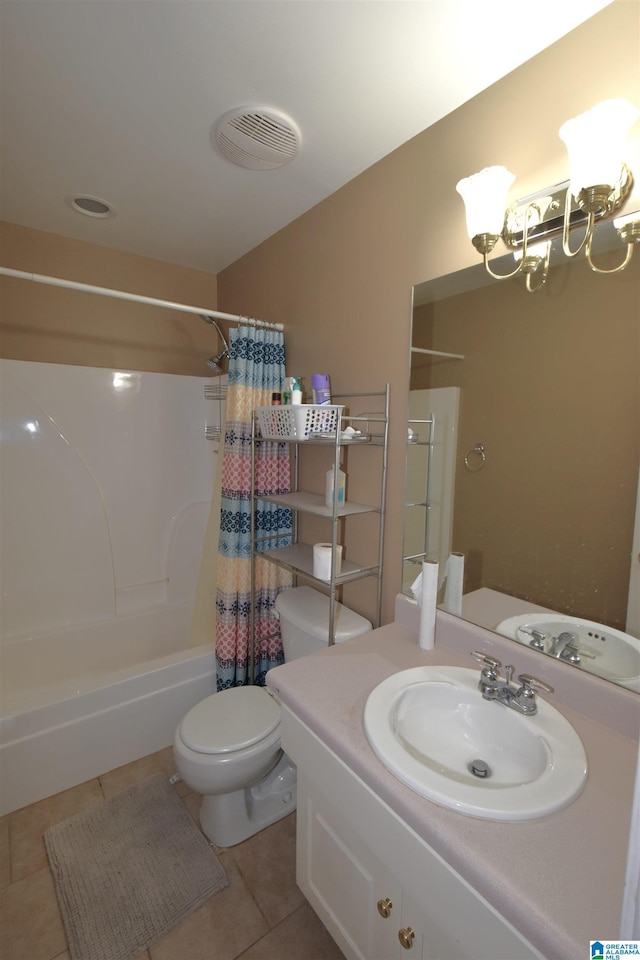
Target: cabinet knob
(406, 937)
(384, 908)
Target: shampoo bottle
(329, 487)
(286, 390)
(296, 390)
(320, 388)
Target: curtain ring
(477, 451)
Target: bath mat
(128, 870)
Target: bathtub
(130, 682)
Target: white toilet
(227, 747)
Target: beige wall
(340, 277)
(54, 325)
(550, 386)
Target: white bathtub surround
(106, 480)
(106, 487)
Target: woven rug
(128, 870)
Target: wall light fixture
(599, 183)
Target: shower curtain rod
(137, 298)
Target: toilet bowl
(228, 748)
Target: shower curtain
(256, 370)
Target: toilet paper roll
(427, 602)
(322, 560)
(454, 573)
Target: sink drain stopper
(480, 769)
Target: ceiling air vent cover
(257, 138)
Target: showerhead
(214, 362)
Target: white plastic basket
(298, 421)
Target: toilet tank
(304, 621)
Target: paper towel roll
(322, 560)
(427, 602)
(454, 573)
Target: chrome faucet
(565, 647)
(493, 687)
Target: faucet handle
(491, 666)
(525, 697)
(486, 659)
(529, 684)
(538, 637)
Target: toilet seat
(230, 720)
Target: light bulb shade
(595, 141)
(485, 199)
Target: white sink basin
(604, 651)
(431, 728)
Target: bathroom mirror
(542, 493)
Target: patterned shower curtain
(256, 370)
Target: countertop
(559, 879)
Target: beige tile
(27, 826)
(30, 922)
(67, 956)
(301, 936)
(5, 862)
(267, 861)
(220, 929)
(193, 802)
(124, 777)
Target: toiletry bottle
(320, 388)
(296, 390)
(329, 487)
(276, 399)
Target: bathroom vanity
(392, 874)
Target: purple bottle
(320, 388)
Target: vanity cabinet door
(351, 890)
(356, 860)
(424, 935)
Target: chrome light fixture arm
(598, 202)
(588, 234)
(529, 263)
(628, 229)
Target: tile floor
(261, 915)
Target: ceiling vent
(257, 138)
(91, 206)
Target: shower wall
(106, 480)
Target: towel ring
(478, 451)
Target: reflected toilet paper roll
(427, 602)
(322, 560)
(454, 573)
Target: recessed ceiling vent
(257, 138)
(91, 206)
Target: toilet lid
(230, 720)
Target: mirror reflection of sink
(433, 730)
(601, 650)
